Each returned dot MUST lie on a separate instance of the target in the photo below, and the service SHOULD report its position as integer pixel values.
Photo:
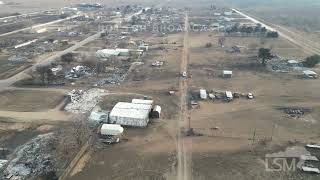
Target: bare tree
(221, 41)
(45, 73)
(68, 58)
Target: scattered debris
(310, 169)
(157, 63)
(313, 146)
(77, 72)
(310, 74)
(84, 101)
(295, 111)
(33, 158)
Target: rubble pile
(84, 101)
(280, 64)
(114, 77)
(32, 159)
(157, 63)
(77, 72)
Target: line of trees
(258, 29)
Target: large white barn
(130, 114)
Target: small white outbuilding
(226, 74)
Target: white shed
(130, 114)
(203, 94)
(156, 111)
(111, 129)
(227, 74)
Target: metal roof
(126, 105)
(130, 113)
(227, 72)
(131, 110)
(111, 129)
(142, 101)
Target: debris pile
(280, 64)
(157, 63)
(84, 101)
(32, 159)
(77, 72)
(296, 111)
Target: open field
(26, 101)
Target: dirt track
(184, 170)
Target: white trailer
(229, 96)
(203, 94)
(111, 129)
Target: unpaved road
(184, 168)
(289, 35)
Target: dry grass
(29, 101)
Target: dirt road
(295, 38)
(184, 168)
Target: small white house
(227, 74)
(203, 94)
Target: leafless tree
(221, 41)
(45, 73)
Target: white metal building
(130, 114)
